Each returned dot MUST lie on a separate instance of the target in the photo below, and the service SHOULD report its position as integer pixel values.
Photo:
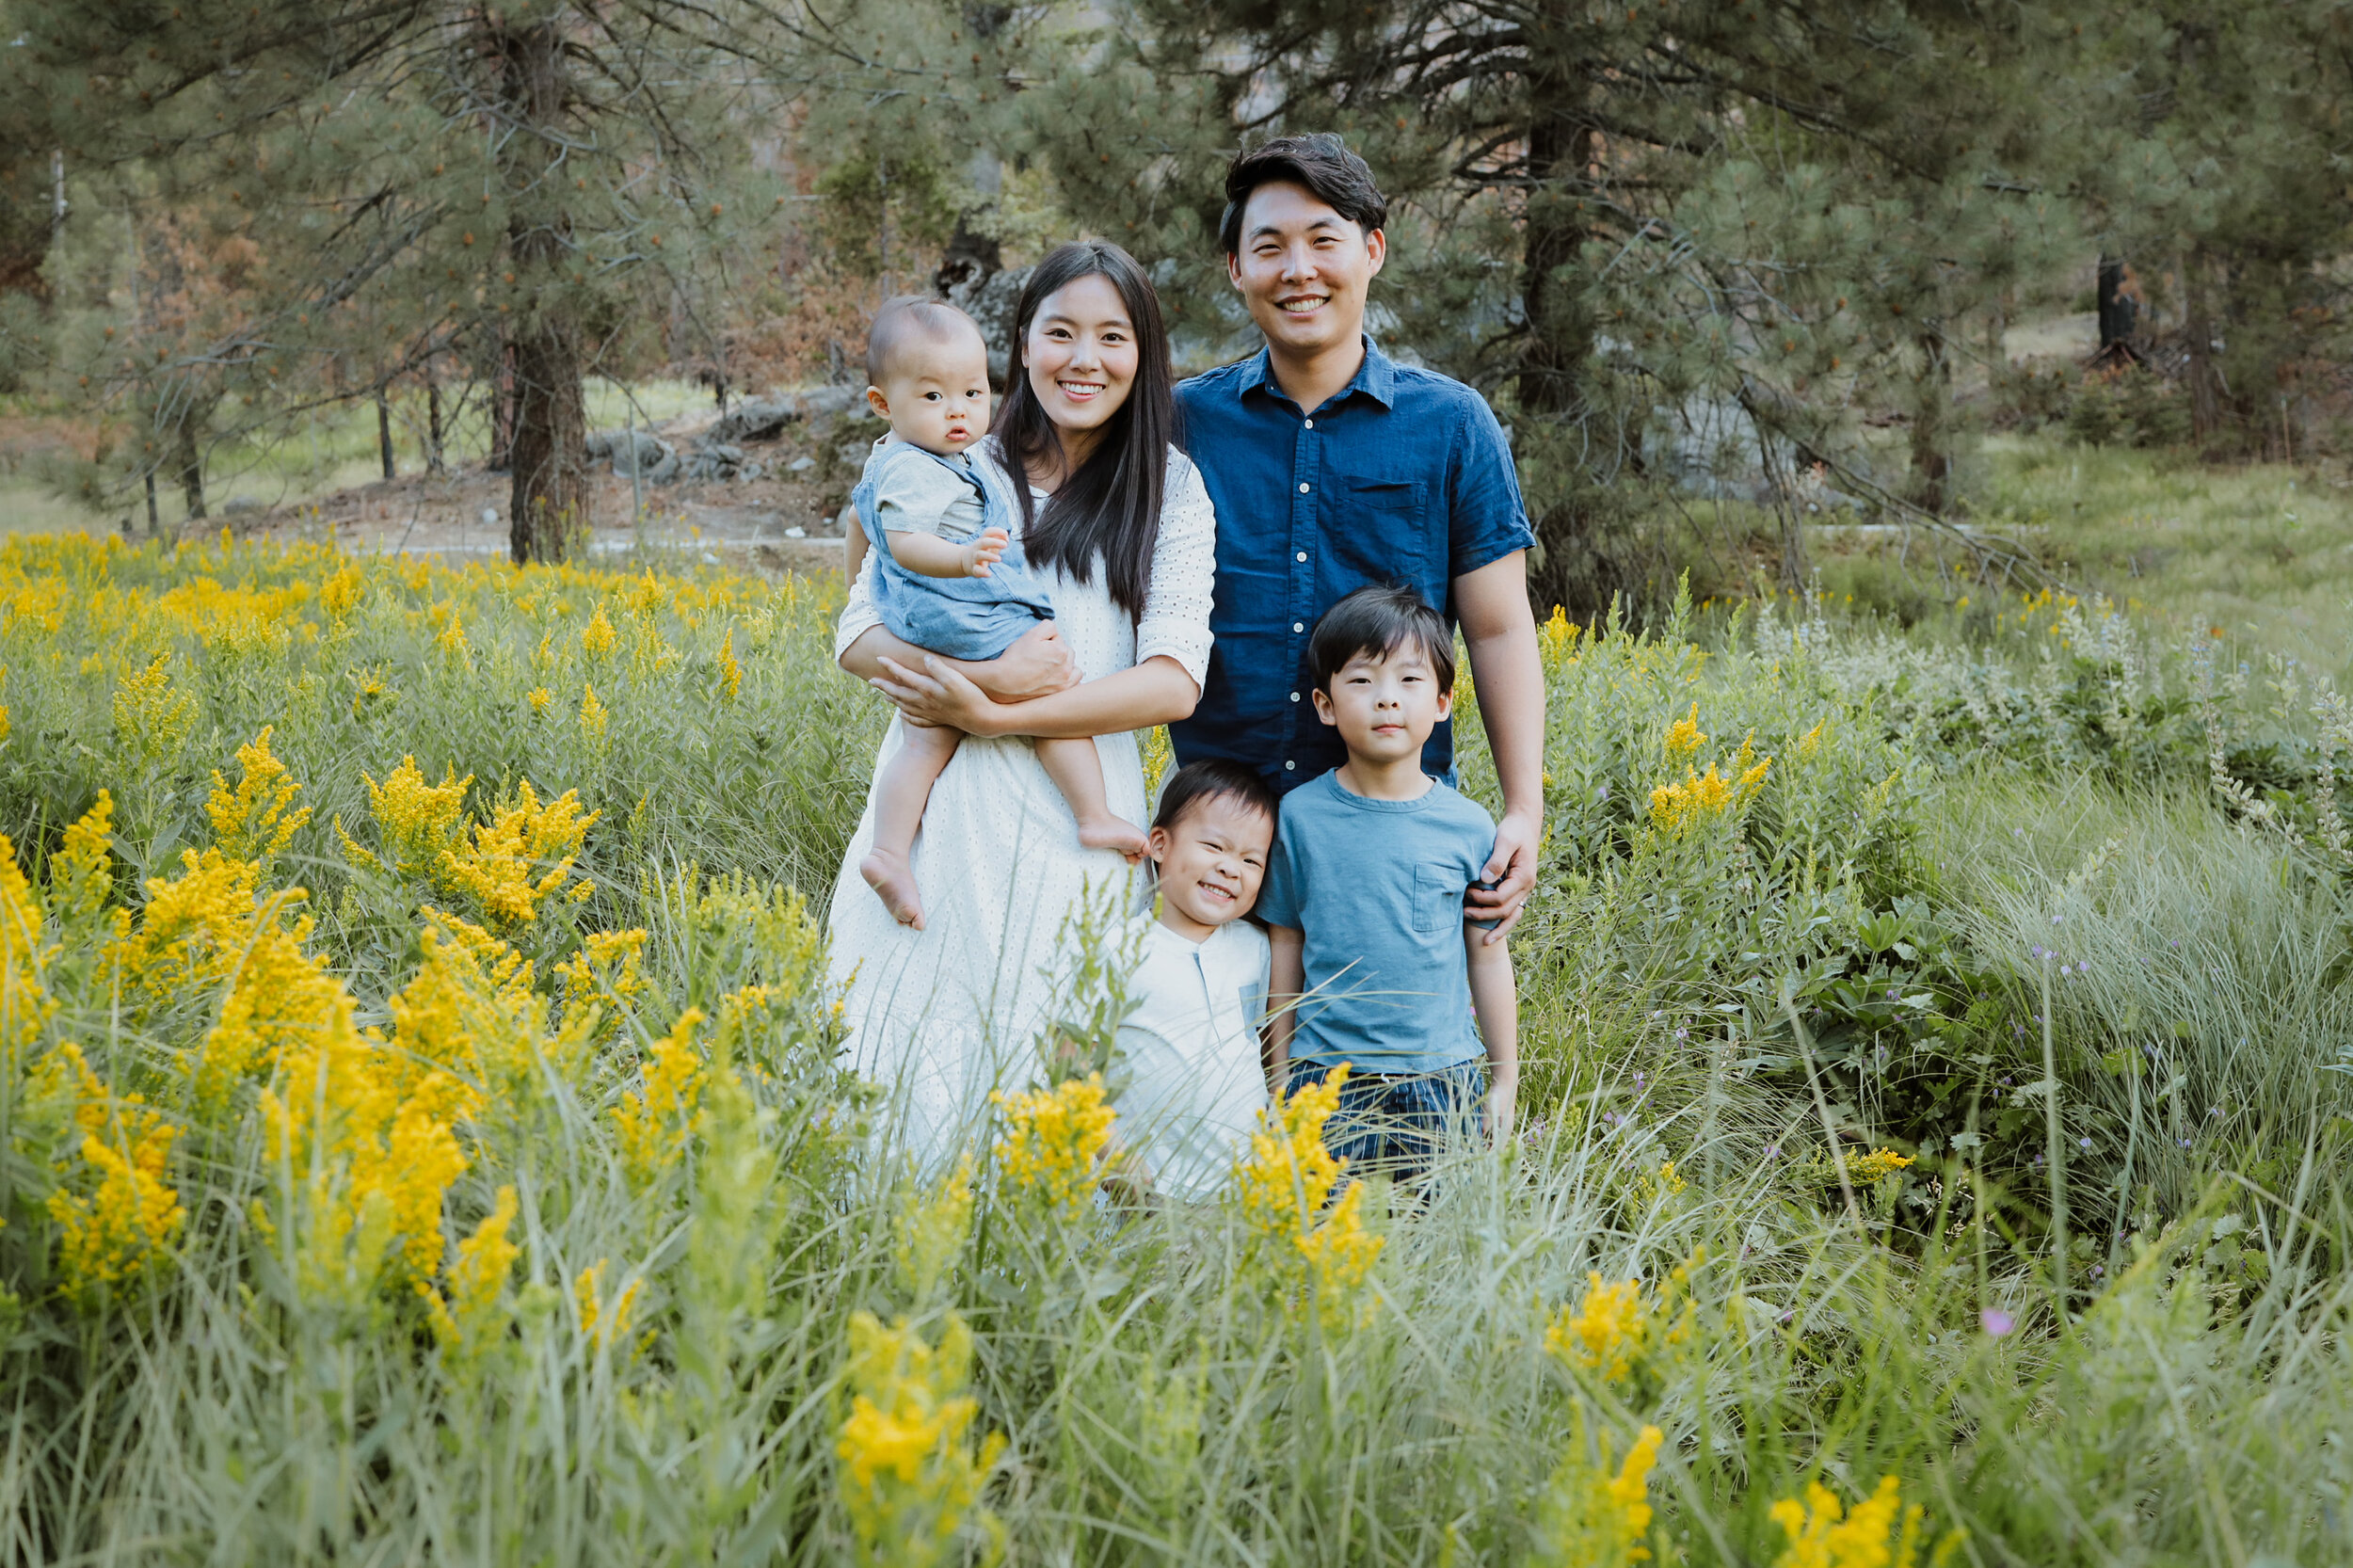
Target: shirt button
(1299, 626)
(1303, 554)
(1294, 697)
(1288, 766)
(1310, 423)
(1303, 489)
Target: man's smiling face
(1302, 269)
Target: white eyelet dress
(941, 1017)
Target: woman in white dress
(939, 1017)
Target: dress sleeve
(858, 615)
(1175, 619)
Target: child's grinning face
(1385, 705)
(1211, 861)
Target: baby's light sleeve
(1175, 619)
(918, 496)
(859, 614)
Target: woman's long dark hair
(1111, 508)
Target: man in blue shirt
(1334, 468)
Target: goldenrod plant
(467, 1171)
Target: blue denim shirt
(1402, 477)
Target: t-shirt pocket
(1437, 896)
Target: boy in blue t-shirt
(1364, 896)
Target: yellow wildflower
(478, 1269)
(1822, 1535)
(730, 673)
(251, 821)
(416, 822)
(152, 716)
(606, 966)
(1875, 1165)
(1677, 807)
(1591, 1517)
(1055, 1139)
(1558, 638)
(26, 1004)
(592, 716)
(1684, 736)
(452, 639)
(340, 593)
(908, 1474)
(1607, 1332)
(597, 638)
(495, 867)
(655, 1124)
(118, 1230)
(81, 871)
(600, 1324)
(1284, 1183)
(931, 1230)
(539, 697)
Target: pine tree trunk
(432, 425)
(1574, 570)
(384, 430)
(2205, 412)
(550, 496)
(191, 465)
(1931, 420)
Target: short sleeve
(859, 614)
(1488, 519)
(1281, 895)
(1175, 619)
(912, 496)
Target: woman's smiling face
(1082, 355)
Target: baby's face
(936, 396)
(1212, 860)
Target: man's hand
(1039, 664)
(1510, 870)
(985, 552)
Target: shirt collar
(1376, 377)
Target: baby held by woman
(948, 577)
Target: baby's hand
(985, 552)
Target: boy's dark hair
(1321, 163)
(908, 318)
(1214, 778)
(1379, 620)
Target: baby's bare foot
(1113, 833)
(892, 877)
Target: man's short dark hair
(910, 318)
(1379, 621)
(1214, 778)
(1322, 164)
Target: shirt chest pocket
(1438, 897)
(1376, 531)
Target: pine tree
(401, 184)
(1608, 214)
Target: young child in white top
(949, 577)
(1190, 1082)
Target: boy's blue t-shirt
(1375, 888)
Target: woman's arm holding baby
(1286, 976)
(1038, 664)
(1496, 998)
(932, 690)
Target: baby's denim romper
(956, 618)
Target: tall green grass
(1727, 1004)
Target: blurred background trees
(1757, 254)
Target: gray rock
(764, 419)
(991, 301)
(647, 453)
(666, 471)
(241, 506)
